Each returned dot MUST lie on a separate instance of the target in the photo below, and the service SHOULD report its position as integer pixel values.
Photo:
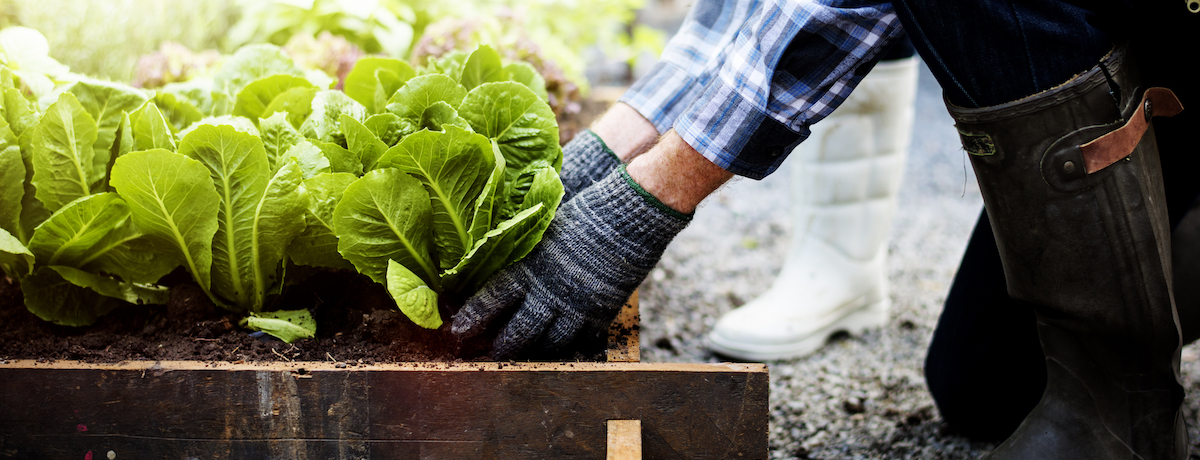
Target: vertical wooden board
(624, 335)
(624, 440)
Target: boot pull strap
(1107, 149)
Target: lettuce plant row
(425, 180)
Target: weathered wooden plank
(468, 410)
(624, 335)
(624, 440)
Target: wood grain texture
(415, 410)
(624, 335)
(624, 440)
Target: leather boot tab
(1118, 144)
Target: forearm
(676, 174)
(626, 132)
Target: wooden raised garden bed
(320, 410)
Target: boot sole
(854, 323)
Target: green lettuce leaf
(412, 99)
(310, 158)
(525, 74)
(440, 114)
(17, 111)
(180, 112)
(251, 63)
(512, 239)
(152, 130)
(483, 66)
(373, 80)
(416, 300)
(200, 93)
(65, 166)
(240, 124)
(123, 144)
(277, 137)
(71, 297)
(487, 205)
(362, 142)
(340, 159)
(72, 233)
(107, 103)
(450, 65)
(253, 101)
(259, 214)
(33, 212)
(12, 188)
(517, 120)
(171, 198)
(15, 259)
(296, 103)
(325, 122)
(95, 234)
(386, 215)
(454, 167)
(389, 128)
(130, 255)
(317, 245)
(288, 326)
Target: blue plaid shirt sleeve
(689, 60)
(742, 81)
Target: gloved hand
(597, 250)
(586, 159)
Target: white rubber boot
(845, 177)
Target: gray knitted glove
(586, 159)
(597, 250)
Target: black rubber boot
(1083, 234)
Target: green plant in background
(425, 180)
(103, 38)
(374, 26)
(26, 53)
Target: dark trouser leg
(985, 367)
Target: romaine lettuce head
(469, 187)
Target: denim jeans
(985, 367)
(990, 52)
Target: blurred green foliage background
(104, 38)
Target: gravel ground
(860, 397)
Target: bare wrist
(626, 132)
(676, 174)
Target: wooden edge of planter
(187, 409)
(302, 367)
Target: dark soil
(357, 322)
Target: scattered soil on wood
(357, 322)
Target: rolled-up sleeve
(689, 61)
(788, 65)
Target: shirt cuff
(662, 94)
(735, 134)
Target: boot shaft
(845, 176)
(1088, 243)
